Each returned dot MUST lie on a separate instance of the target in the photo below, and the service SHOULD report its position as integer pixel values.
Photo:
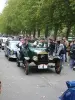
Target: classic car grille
(43, 59)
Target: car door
(5, 48)
(8, 49)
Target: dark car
(10, 49)
(40, 59)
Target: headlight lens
(27, 58)
(12, 52)
(3, 44)
(35, 58)
(50, 57)
(57, 57)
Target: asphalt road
(42, 85)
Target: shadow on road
(37, 71)
(41, 71)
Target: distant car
(3, 41)
(11, 49)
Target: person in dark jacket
(51, 47)
(23, 49)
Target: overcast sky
(2, 4)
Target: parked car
(39, 56)
(0, 41)
(10, 49)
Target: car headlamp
(35, 58)
(12, 52)
(50, 57)
(26, 58)
(57, 57)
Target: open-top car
(39, 57)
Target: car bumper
(42, 66)
(12, 56)
(2, 46)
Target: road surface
(42, 85)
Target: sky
(2, 4)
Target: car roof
(11, 41)
(4, 37)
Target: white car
(11, 49)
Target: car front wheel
(58, 67)
(18, 63)
(8, 58)
(26, 64)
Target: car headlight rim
(26, 58)
(50, 58)
(12, 52)
(35, 58)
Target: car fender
(27, 58)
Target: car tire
(74, 68)
(5, 54)
(2, 48)
(8, 58)
(58, 67)
(26, 64)
(18, 63)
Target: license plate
(52, 64)
(42, 66)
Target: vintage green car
(40, 59)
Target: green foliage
(29, 15)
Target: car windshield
(39, 44)
(13, 45)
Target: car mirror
(18, 45)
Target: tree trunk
(55, 32)
(46, 32)
(30, 33)
(68, 30)
(38, 32)
(34, 33)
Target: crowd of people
(60, 47)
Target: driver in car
(41, 43)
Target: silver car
(11, 49)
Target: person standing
(72, 55)
(59, 49)
(66, 44)
(51, 47)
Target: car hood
(14, 49)
(39, 50)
